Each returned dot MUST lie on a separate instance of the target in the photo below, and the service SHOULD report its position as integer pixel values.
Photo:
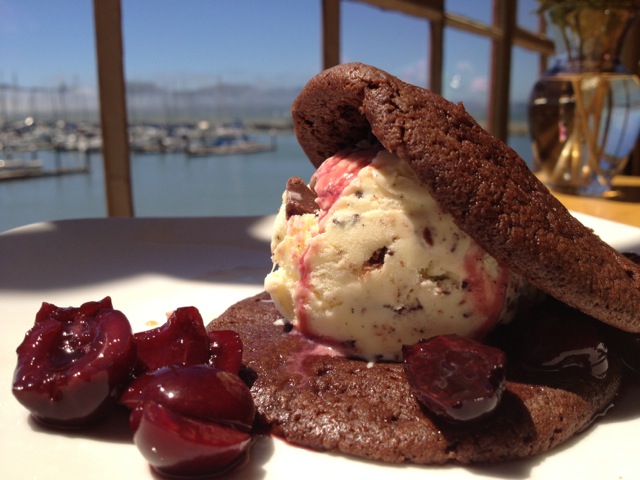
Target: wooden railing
(113, 109)
(504, 33)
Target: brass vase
(584, 113)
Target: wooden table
(622, 211)
(150, 266)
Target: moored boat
(6, 165)
(227, 141)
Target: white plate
(150, 267)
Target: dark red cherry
(559, 338)
(454, 377)
(74, 362)
(226, 350)
(182, 340)
(178, 445)
(627, 346)
(198, 391)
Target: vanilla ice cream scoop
(379, 264)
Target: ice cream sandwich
(379, 143)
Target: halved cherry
(74, 362)
(178, 445)
(455, 377)
(562, 338)
(226, 350)
(182, 340)
(198, 391)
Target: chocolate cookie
(334, 403)
(489, 190)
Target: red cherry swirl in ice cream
(487, 292)
(332, 177)
(336, 173)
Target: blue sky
(189, 43)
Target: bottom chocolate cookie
(312, 398)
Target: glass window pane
(526, 16)
(392, 41)
(48, 67)
(467, 59)
(203, 47)
(523, 76)
(479, 11)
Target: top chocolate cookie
(484, 184)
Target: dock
(23, 174)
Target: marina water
(167, 185)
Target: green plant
(576, 4)
(589, 28)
